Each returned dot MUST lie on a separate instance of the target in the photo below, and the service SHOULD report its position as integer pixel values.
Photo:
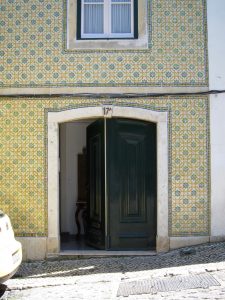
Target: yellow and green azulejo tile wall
(23, 159)
(33, 48)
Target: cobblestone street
(100, 278)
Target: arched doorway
(159, 118)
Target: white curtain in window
(93, 16)
(121, 16)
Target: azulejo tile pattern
(32, 50)
(23, 165)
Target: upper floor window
(107, 24)
(107, 19)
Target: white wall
(216, 44)
(72, 141)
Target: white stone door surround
(55, 118)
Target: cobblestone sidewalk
(99, 278)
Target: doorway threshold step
(105, 253)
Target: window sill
(107, 44)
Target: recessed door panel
(132, 200)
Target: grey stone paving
(99, 278)
(167, 284)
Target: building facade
(56, 77)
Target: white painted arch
(55, 118)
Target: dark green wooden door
(131, 183)
(96, 187)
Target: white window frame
(107, 22)
(75, 43)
